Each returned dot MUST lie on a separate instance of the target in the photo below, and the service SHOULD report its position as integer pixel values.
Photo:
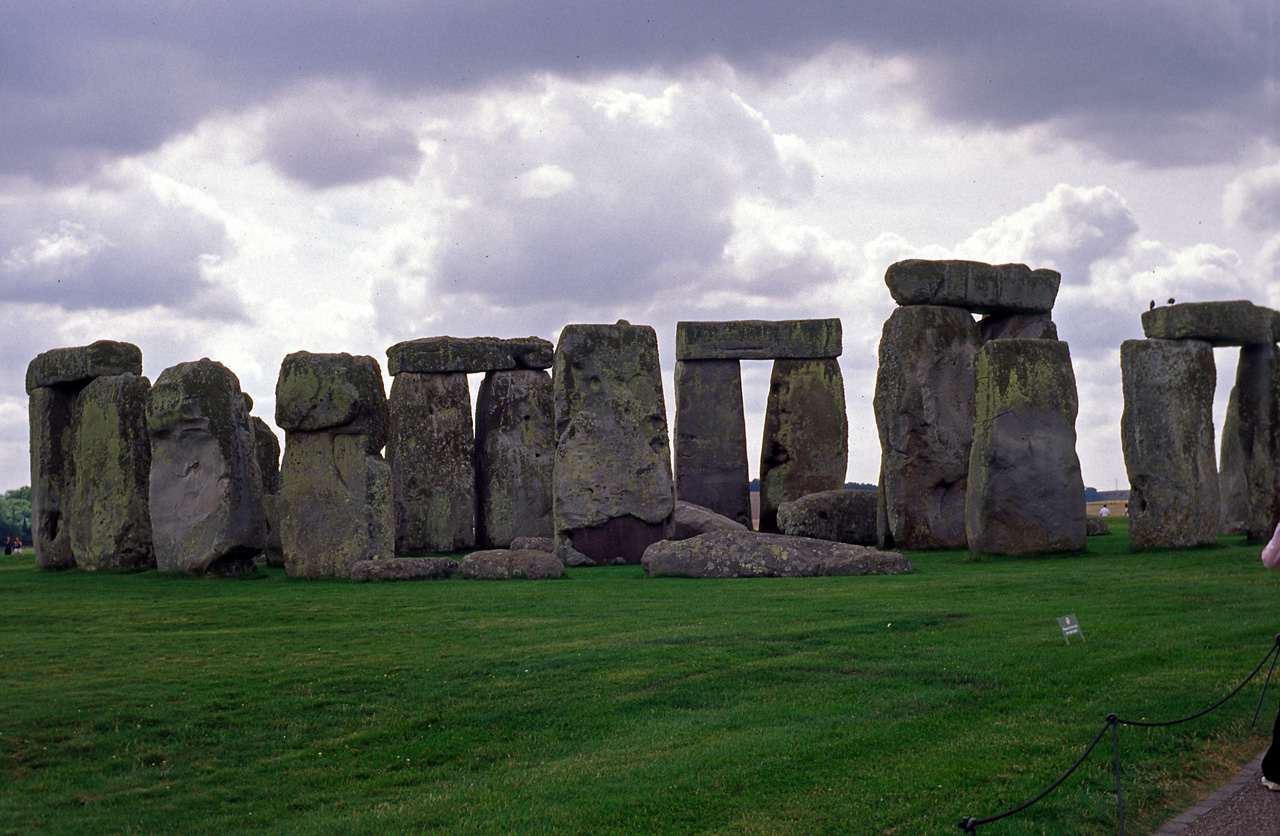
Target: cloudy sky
(241, 180)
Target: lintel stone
(755, 339)
(973, 285)
(104, 358)
(447, 355)
(1238, 322)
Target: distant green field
(612, 703)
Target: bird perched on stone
(1170, 300)
(1153, 305)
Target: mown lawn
(612, 703)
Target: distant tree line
(15, 515)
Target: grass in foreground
(611, 703)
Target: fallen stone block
(841, 516)
(538, 544)
(1096, 526)
(746, 554)
(691, 520)
(507, 564)
(403, 569)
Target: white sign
(1070, 627)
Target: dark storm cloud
(113, 249)
(1188, 76)
(321, 142)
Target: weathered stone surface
(1249, 479)
(1017, 326)
(431, 450)
(77, 366)
(613, 491)
(273, 552)
(207, 515)
(754, 339)
(978, 287)
(1217, 323)
(839, 515)
(711, 438)
(267, 449)
(339, 393)
(110, 522)
(1167, 434)
(538, 544)
(924, 406)
(746, 554)
(404, 569)
(515, 456)
(1025, 491)
(53, 475)
(506, 564)
(691, 520)
(440, 355)
(806, 434)
(1096, 526)
(336, 496)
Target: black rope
(1254, 722)
(1247, 680)
(970, 825)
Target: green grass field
(612, 703)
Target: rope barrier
(970, 825)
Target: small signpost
(1070, 627)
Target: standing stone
(1017, 326)
(806, 434)
(53, 475)
(54, 381)
(1025, 491)
(206, 493)
(924, 405)
(267, 448)
(335, 501)
(515, 456)
(431, 450)
(711, 438)
(111, 523)
(1248, 478)
(1167, 434)
(613, 491)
